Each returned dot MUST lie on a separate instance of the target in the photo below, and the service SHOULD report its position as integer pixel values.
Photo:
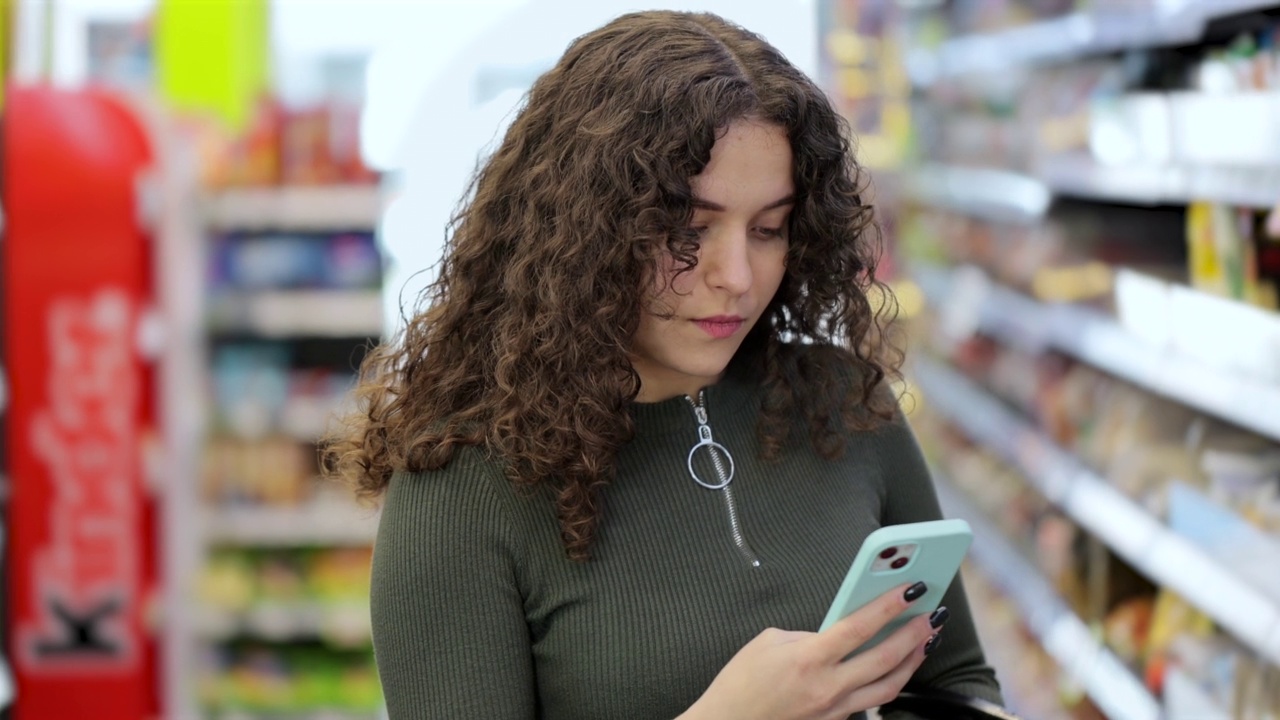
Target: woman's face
(742, 202)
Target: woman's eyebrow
(704, 204)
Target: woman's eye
(770, 232)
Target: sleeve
(449, 632)
(958, 664)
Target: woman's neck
(654, 390)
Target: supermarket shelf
(1102, 342)
(310, 430)
(1102, 675)
(300, 313)
(300, 208)
(324, 523)
(1057, 39)
(301, 715)
(1080, 176)
(1223, 8)
(1006, 196)
(1128, 529)
(1185, 693)
(344, 625)
(1071, 37)
(989, 194)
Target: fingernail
(939, 616)
(914, 592)
(933, 643)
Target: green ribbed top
(477, 612)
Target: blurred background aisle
(1080, 200)
(212, 209)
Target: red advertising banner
(77, 280)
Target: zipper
(723, 475)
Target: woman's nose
(727, 262)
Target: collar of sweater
(733, 394)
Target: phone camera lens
(898, 564)
(887, 553)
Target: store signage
(85, 569)
(77, 271)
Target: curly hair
(522, 343)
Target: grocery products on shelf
(291, 284)
(869, 86)
(1032, 682)
(1150, 448)
(280, 607)
(1151, 629)
(1215, 358)
(1050, 662)
(958, 39)
(1230, 254)
(257, 680)
(278, 260)
(1087, 209)
(288, 594)
(292, 142)
(1155, 126)
(259, 394)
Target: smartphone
(929, 552)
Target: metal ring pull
(711, 447)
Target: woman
(668, 251)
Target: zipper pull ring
(713, 448)
(726, 474)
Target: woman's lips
(720, 327)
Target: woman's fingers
(883, 659)
(849, 633)
(887, 687)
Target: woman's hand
(783, 675)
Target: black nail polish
(939, 617)
(933, 643)
(914, 592)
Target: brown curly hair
(522, 342)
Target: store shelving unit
(316, 715)
(343, 625)
(1098, 340)
(318, 208)
(327, 521)
(1149, 184)
(1074, 36)
(323, 523)
(1006, 196)
(1169, 560)
(1124, 143)
(996, 195)
(1062, 633)
(305, 313)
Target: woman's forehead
(750, 168)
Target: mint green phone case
(940, 546)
